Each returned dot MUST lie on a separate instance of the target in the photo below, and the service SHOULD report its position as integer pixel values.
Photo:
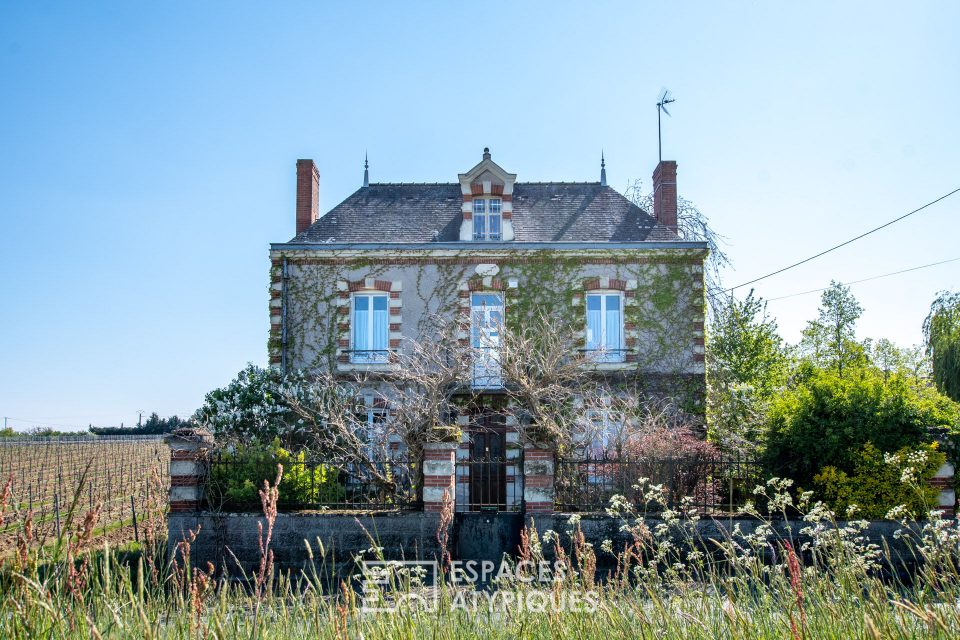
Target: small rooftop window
(487, 219)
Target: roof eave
(485, 246)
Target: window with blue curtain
(605, 327)
(371, 328)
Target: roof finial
(366, 170)
(603, 170)
(486, 153)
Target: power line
(885, 275)
(843, 244)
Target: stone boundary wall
(230, 541)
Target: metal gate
(489, 497)
(488, 472)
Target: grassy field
(842, 588)
(123, 479)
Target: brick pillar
(188, 468)
(944, 481)
(538, 469)
(439, 469)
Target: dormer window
(486, 219)
(487, 202)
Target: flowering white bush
(252, 408)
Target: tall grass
(825, 580)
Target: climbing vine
(665, 315)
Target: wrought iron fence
(388, 483)
(715, 485)
(370, 356)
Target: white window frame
(486, 359)
(371, 356)
(607, 353)
(374, 418)
(483, 209)
(599, 424)
(603, 431)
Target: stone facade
(663, 299)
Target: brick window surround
(601, 284)
(345, 289)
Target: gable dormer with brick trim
(487, 202)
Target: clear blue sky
(147, 156)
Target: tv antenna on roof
(665, 98)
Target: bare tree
(548, 380)
(334, 413)
(622, 421)
(418, 390)
(422, 390)
(692, 224)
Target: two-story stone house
(362, 281)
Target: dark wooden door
(488, 465)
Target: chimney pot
(308, 194)
(665, 194)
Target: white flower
(896, 512)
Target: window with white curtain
(371, 328)
(605, 327)
(486, 219)
(486, 322)
(372, 425)
(604, 431)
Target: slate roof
(542, 212)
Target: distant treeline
(151, 426)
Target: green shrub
(825, 420)
(876, 485)
(238, 475)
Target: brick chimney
(665, 194)
(308, 194)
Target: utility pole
(140, 419)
